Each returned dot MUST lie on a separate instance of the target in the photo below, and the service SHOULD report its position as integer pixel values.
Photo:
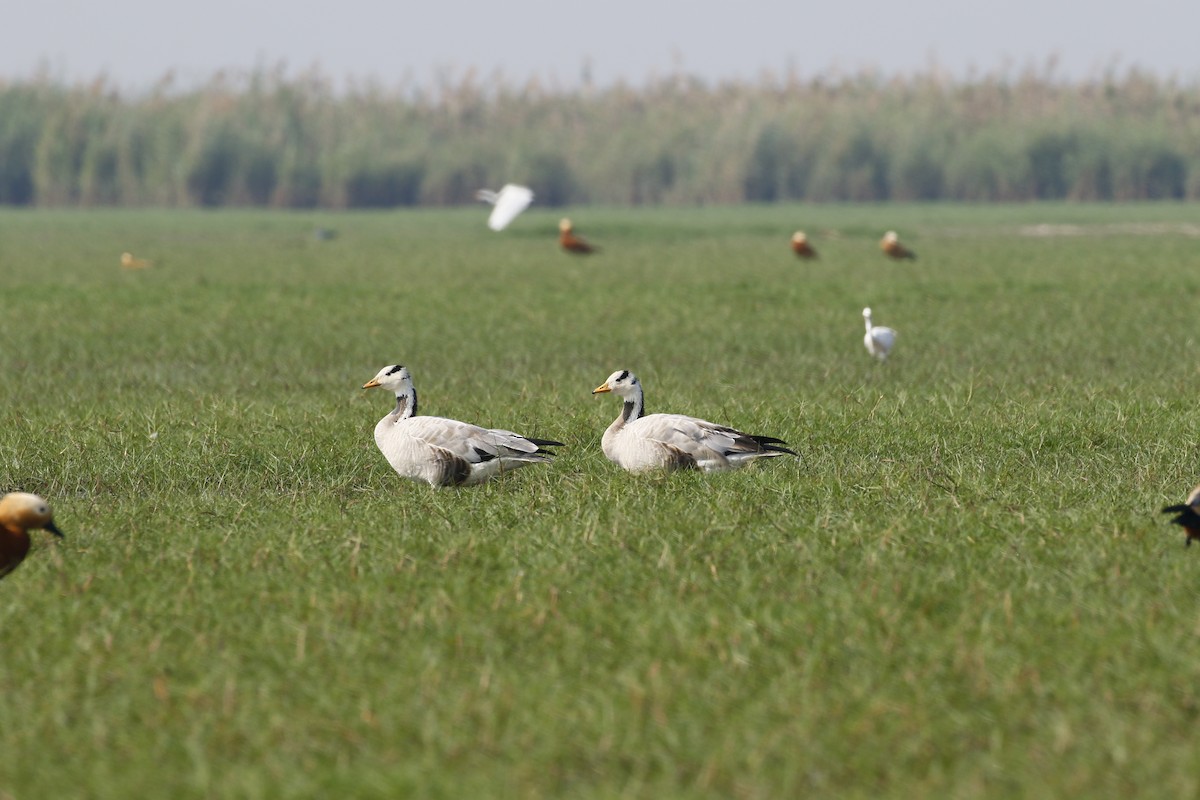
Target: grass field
(962, 589)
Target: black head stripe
(624, 374)
(394, 370)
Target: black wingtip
(545, 442)
(766, 440)
(774, 445)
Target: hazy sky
(135, 42)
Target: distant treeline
(296, 142)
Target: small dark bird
(20, 513)
(572, 242)
(1187, 517)
(890, 245)
(801, 247)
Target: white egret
(510, 201)
(878, 340)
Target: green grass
(961, 589)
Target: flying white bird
(446, 452)
(879, 340)
(639, 442)
(510, 201)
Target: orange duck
(20, 513)
(890, 245)
(801, 247)
(1187, 517)
(129, 262)
(570, 241)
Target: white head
(26, 511)
(393, 377)
(622, 383)
(564, 224)
(486, 195)
(799, 236)
(891, 236)
(867, 314)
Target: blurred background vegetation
(269, 139)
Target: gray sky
(135, 42)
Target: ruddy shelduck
(1187, 518)
(890, 245)
(801, 246)
(571, 241)
(129, 262)
(20, 513)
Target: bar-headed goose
(446, 452)
(638, 441)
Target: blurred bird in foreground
(571, 241)
(510, 201)
(890, 245)
(20, 513)
(1187, 517)
(129, 262)
(801, 247)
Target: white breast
(879, 341)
